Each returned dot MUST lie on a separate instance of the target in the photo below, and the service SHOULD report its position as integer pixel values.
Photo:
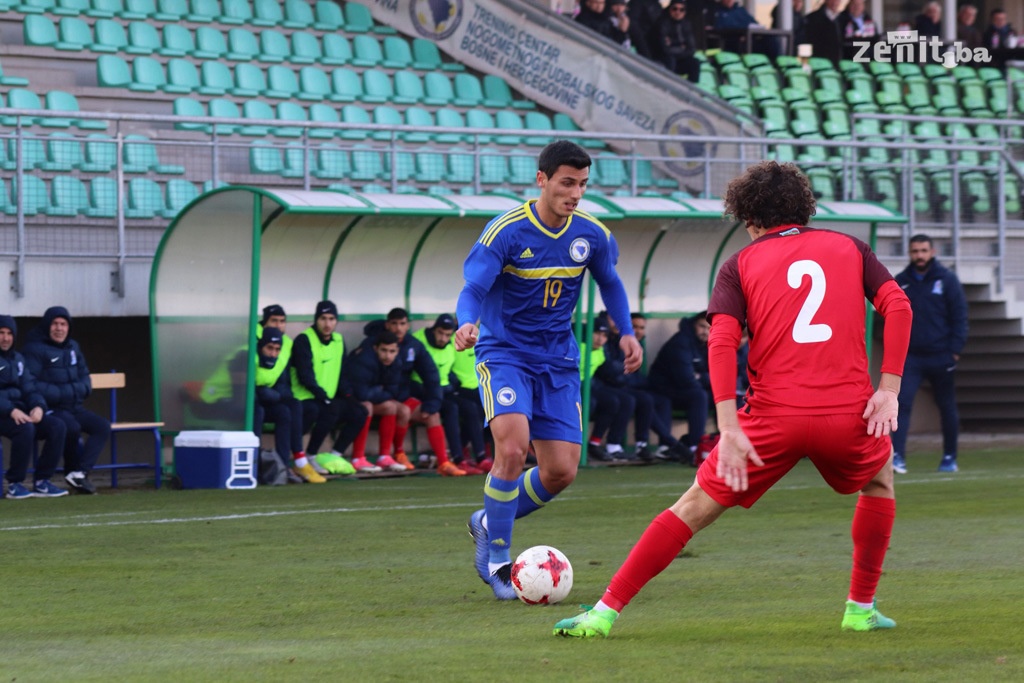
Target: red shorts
(413, 403)
(846, 456)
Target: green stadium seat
(8, 162)
(138, 9)
(498, 94)
(242, 45)
(33, 195)
(267, 13)
(12, 81)
(890, 89)
(408, 88)
(283, 83)
(825, 96)
(804, 119)
(289, 111)
(724, 58)
(35, 6)
(147, 75)
(397, 53)
(354, 114)
(39, 30)
(468, 90)
(708, 78)
(736, 75)
(330, 162)
(235, 12)
(421, 118)
(917, 92)
(215, 78)
(359, 20)
(829, 80)
(68, 196)
(102, 198)
(430, 166)
(265, 160)
(19, 98)
(250, 81)
(100, 153)
(522, 169)
(182, 76)
(798, 79)
(493, 166)
(210, 43)
(274, 46)
(346, 84)
(145, 199)
(294, 161)
(535, 120)
(563, 122)
(787, 62)
(70, 8)
(850, 69)
(775, 116)
(479, 118)
(881, 68)
(400, 167)
(755, 60)
(366, 51)
(461, 166)
(822, 183)
(109, 36)
(908, 70)
(323, 113)
(298, 14)
(611, 171)
(226, 109)
(367, 164)
(140, 156)
(187, 106)
(377, 87)
(508, 120)
(179, 192)
(58, 100)
(31, 150)
(997, 100)
(645, 177)
(305, 48)
(767, 78)
(933, 71)
(316, 84)
(1011, 195)
(143, 38)
(389, 116)
(6, 205)
(171, 10)
(328, 16)
(104, 9)
(337, 50)
(176, 41)
(74, 35)
(836, 122)
(427, 57)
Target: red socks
(664, 538)
(359, 444)
(400, 431)
(871, 530)
(435, 435)
(386, 431)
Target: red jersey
(801, 294)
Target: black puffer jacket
(17, 386)
(61, 375)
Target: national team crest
(436, 19)
(506, 396)
(579, 250)
(687, 157)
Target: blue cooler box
(217, 460)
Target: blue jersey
(523, 281)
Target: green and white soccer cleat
(590, 624)
(860, 619)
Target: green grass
(373, 581)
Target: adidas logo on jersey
(526, 254)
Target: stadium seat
(421, 118)
(367, 164)
(71, 8)
(100, 153)
(171, 10)
(354, 114)
(330, 162)
(337, 50)
(498, 94)
(182, 76)
(140, 156)
(109, 36)
(210, 43)
(250, 81)
(32, 193)
(320, 112)
(235, 12)
(889, 90)
(775, 116)
(400, 167)
(138, 9)
(39, 30)
(305, 48)
(145, 199)
(20, 98)
(102, 198)
(104, 9)
(522, 169)
(315, 84)
(6, 205)
(242, 45)
(611, 169)
(289, 111)
(68, 196)
(397, 53)
(147, 75)
(736, 75)
(274, 47)
(73, 35)
(187, 106)
(346, 84)
(493, 166)
(359, 20)
(461, 166)
(31, 150)
(58, 100)
(366, 51)
(388, 116)
(430, 166)
(265, 160)
(408, 88)
(535, 120)
(427, 57)
(226, 109)
(267, 13)
(12, 81)
(836, 123)
(377, 87)
(176, 41)
(282, 83)
(438, 88)
(468, 91)
(298, 14)
(481, 119)
(508, 120)
(215, 78)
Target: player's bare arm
(634, 353)
(883, 406)
(466, 336)
(734, 448)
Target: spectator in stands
(611, 406)
(929, 22)
(62, 377)
(374, 377)
(676, 41)
(23, 419)
(471, 409)
(316, 365)
(617, 12)
(594, 16)
(937, 339)
(680, 372)
(731, 20)
(799, 21)
(423, 396)
(276, 404)
(855, 23)
(824, 33)
(967, 31)
(999, 32)
(643, 22)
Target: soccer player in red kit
(800, 292)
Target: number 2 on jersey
(804, 331)
(552, 291)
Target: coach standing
(937, 338)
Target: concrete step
(994, 345)
(990, 378)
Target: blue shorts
(548, 396)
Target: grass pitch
(373, 581)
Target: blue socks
(500, 506)
(532, 494)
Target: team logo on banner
(687, 158)
(436, 19)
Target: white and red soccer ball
(542, 575)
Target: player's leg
(911, 382)
(435, 436)
(941, 377)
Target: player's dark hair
(770, 194)
(385, 337)
(921, 237)
(562, 153)
(398, 314)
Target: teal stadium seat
(143, 38)
(138, 9)
(215, 78)
(109, 36)
(427, 57)
(267, 13)
(6, 205)
(203, 11)
(71, 8)
(210, 43)
(323, 113)
(235, 12)
(480, 119)
(337, 50)
(102, 198)
(171, 10)
(468, 91)
(355, 115)
(461, 167)
(242, 45)
(508, 120)
(20, 98)
(408, 88)
(100, 153)
(250, 81)
(539, 121)
(367, 164)
(438, 88)
(11, 81)
(306, 49)
(366, 51)
(73, 35)
(39, 31)
(377, 87)
(289, 111)
(145, 199)
(357, 18)
(226, 109)
(282, 83)
(33, 195)
(58, 100)
(452, 118)
(316, 84)
(346, 84)
(147, 75)
(31, 150)
(397, 53)
(188, 106)
(430, 166)
(331, 162)
(179, 192)
(498, 94)
(113, 72)
(423, 119)
(328, 16)
(182, 76)
(68, 196)
(35, 6)
(274, 46)
(140, 156)
(104, 9)
(386, 116)
(298, 14)
(176, 41)
(493, 166)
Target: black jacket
(17, 385)
(413, 357)
(940, 309)
(824, 35)
(682, 363)
(675, 38)
(61, 375)
(601, 23)
(366, 379)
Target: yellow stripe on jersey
(595, 221)
(511, 216)
(543, 273)
(484, 375)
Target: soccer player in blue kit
(523, 278)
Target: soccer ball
(542, 575)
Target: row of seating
(325, 15)
(237, 44)
(309, 83)
(96, 153)
(69, 195)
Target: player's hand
(634, 353)
(881, 413)
(19, 417)
(466, 336)
(35, 415)
(734, 452)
